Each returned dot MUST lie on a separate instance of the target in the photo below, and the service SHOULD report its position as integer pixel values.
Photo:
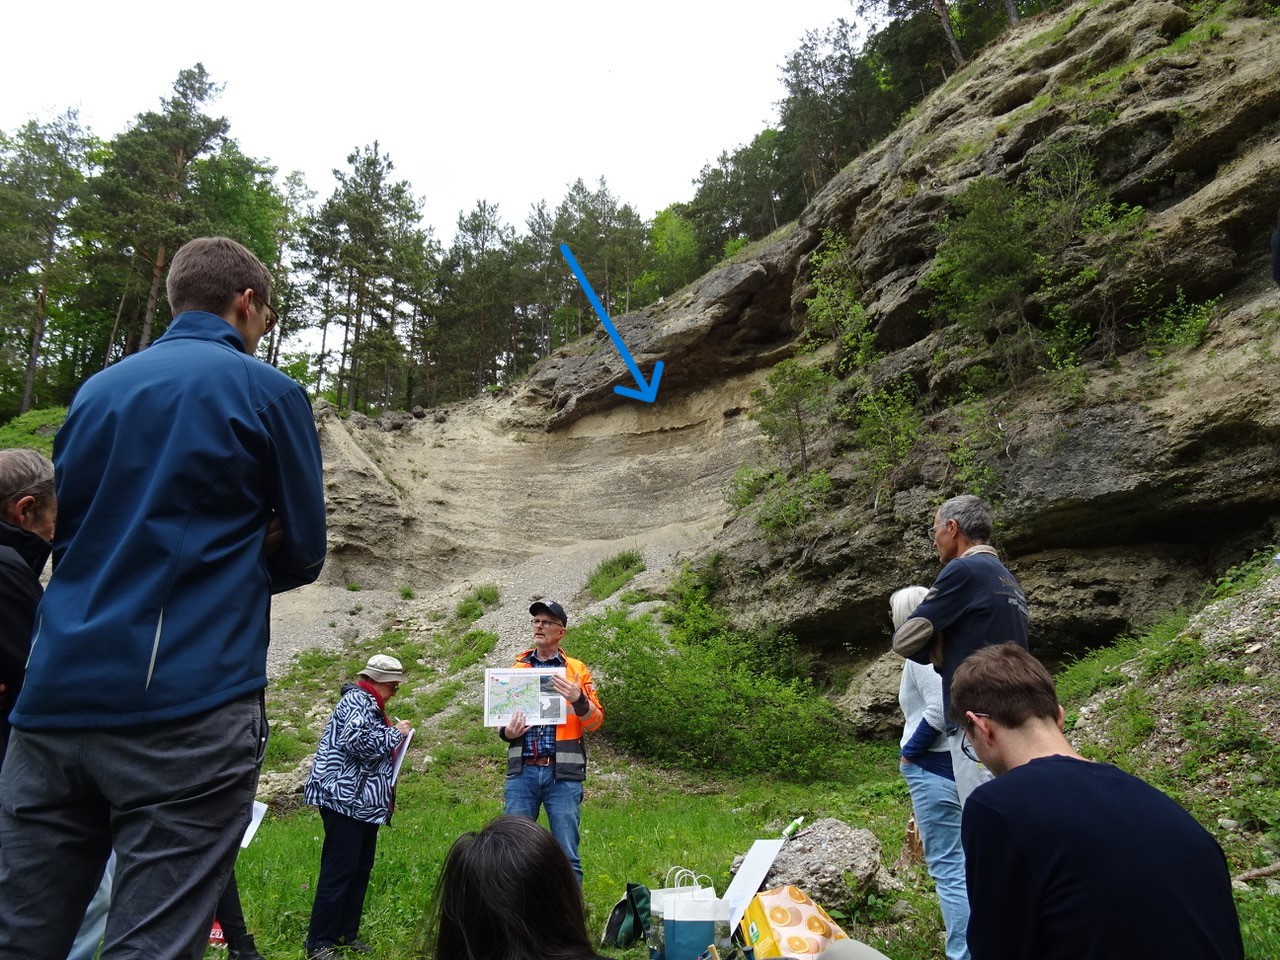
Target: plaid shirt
(540, 741)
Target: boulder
(871, 702)
(834, 863)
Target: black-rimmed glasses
(965, 746)
(273, 316)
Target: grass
(639, 818)
(613, 574)
(33, 429)
(479, 602)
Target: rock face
(1119, 489)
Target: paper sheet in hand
(255, 821)
(401, 751)
(518, 688)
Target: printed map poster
(519, 688)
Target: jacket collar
(200, 325)
(32, 548)
(529, 658)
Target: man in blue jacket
(974, 602)
(189, 487)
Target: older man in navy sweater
(974, 602)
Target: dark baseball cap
(552, 608)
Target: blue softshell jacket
(168, 468)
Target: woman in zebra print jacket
(350, 782)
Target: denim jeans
(937, 809)
(538, 786)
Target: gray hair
(971, 514)
(25, 473)
(903, 603)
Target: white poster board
(518, 688)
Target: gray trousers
(172, 798)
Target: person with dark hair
(926, 766)
(351, 782)
(1069, 858)
(975, 601)
(547, 764)
(508, 892)
(28, 511)
(189, 490)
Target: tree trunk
(944, 18)
(37, 328)
(153, 297)
(1011, 7)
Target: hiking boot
(322, 953)
(243, 949)
(357, 946)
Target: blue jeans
(538, 786)
(937, 809)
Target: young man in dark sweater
(1067, 858)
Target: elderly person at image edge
(351, 783)
(27, 514)
(546, 765)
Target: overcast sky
(499, 100)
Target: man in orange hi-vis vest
(546, 763)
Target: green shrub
(973, 452)
(615, 572)
(887, 426)
(779, 503)
(472, 647)
(1177, 323)
(1243, 576)
(835, 310)
(984, 263)
(707, 700)
(709, 696)
(794, 408)
(480, 601)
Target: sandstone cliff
(1120, 489)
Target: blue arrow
(648, 392)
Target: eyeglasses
(273, 316)
(545, 623)
(965, 746)
(936, 529)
